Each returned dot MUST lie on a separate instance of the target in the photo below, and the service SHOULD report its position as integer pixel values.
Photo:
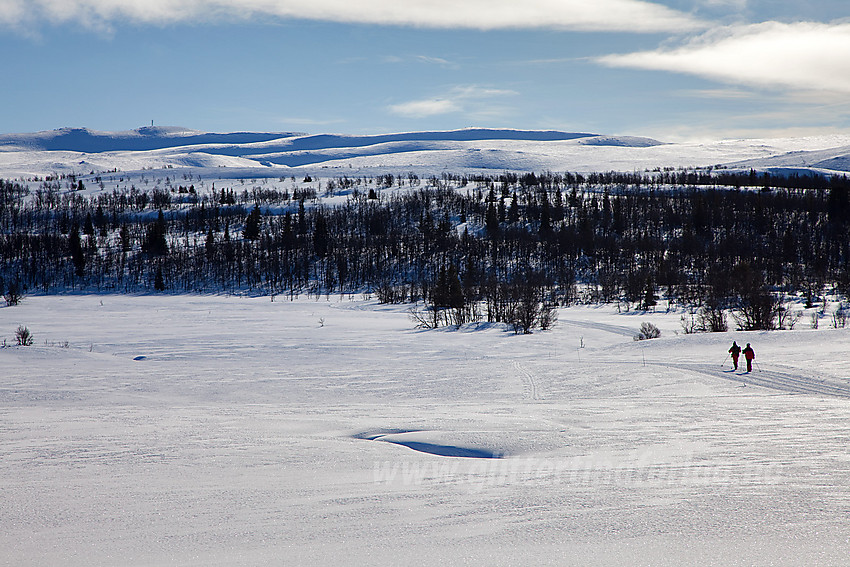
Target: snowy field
(188, 430)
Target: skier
(749, 354)
(735, 351)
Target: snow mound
(621, 141)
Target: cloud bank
(806, 56)
(468, 99)
(596, 15)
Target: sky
(674, 70)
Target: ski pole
(725, 359)
(758, 366)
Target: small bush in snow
(23, 336)
(648, 331)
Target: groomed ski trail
(614, 329)
(772, 379)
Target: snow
(223, 430)
(472, 150)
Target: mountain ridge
(468, 150)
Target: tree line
(502, 248)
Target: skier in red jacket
(749, 354)
(735, 351)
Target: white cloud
(469, 99)
(425, 108)
(426, 59)
(433, 60)
(609, 15)
(799, 56)
(737, 4)
(725, 94)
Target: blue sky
(673, 69)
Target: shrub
(648, 331)
(712, 319)
(23, 336)
(13, 296)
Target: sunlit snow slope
(472, 150)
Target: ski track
(615, 329)
(773, 379)
(529, 380)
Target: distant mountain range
(141, 139)
(259, 154)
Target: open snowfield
(213, 430)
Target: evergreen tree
(455, 296)
(124, 237)
(159, 282)
(287, 234)
(252, 225)
(513, 210)
(545, 219)
(88, 226)
(321, 237)
(75, 246)
(155, 242)
(209, 244)
(491, 221)
(838, 205)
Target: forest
(503, 248)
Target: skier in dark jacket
(749, 354)
(735, 351)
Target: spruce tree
(88, 226)
(321, 238)
(491, 221)
(155, 243)
(159, 283)
(252, 225)
(75, 246)
(209, 244)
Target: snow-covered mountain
(140, 139)
(472, 150)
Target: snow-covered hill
(473, 150)
(141, 139)
(827, 160)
